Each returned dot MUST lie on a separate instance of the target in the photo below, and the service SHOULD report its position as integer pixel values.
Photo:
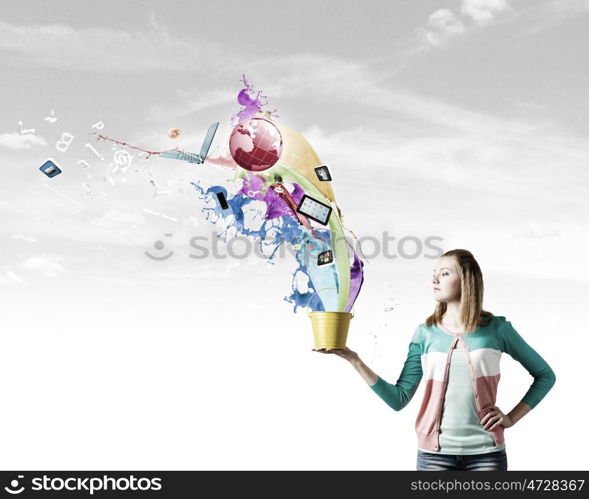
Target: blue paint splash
(280, 224)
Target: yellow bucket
(330, 329)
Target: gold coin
(174, 133)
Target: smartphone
(322, 173)
(222, 200)
(325, 258)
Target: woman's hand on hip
(495, 417)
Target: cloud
(324, 78)
(117, 218)
(529, 193)
(441, 25)
(23, 237)
(10, 277)
(103, 49)
(193, 103)
(153, 21)
(15, 140)
(483, 11)
(509, 177)
(444, 24)
(552, 13)
(48, 265)
(537, 230)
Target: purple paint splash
(251, 105)
(356, 278)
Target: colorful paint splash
(273, 194)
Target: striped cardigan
(429, 357)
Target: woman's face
(446, 281)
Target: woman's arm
(518, 412)
(539, 369)
(398, 395)
(367, 374)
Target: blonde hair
(472, 288)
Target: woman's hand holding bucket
(344, 353)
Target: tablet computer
(314, 209)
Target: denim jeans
(493, 461)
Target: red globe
(255, 144)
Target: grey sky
(465, 116)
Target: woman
(457, 351)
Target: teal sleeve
(544, 377)
(398, 395)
